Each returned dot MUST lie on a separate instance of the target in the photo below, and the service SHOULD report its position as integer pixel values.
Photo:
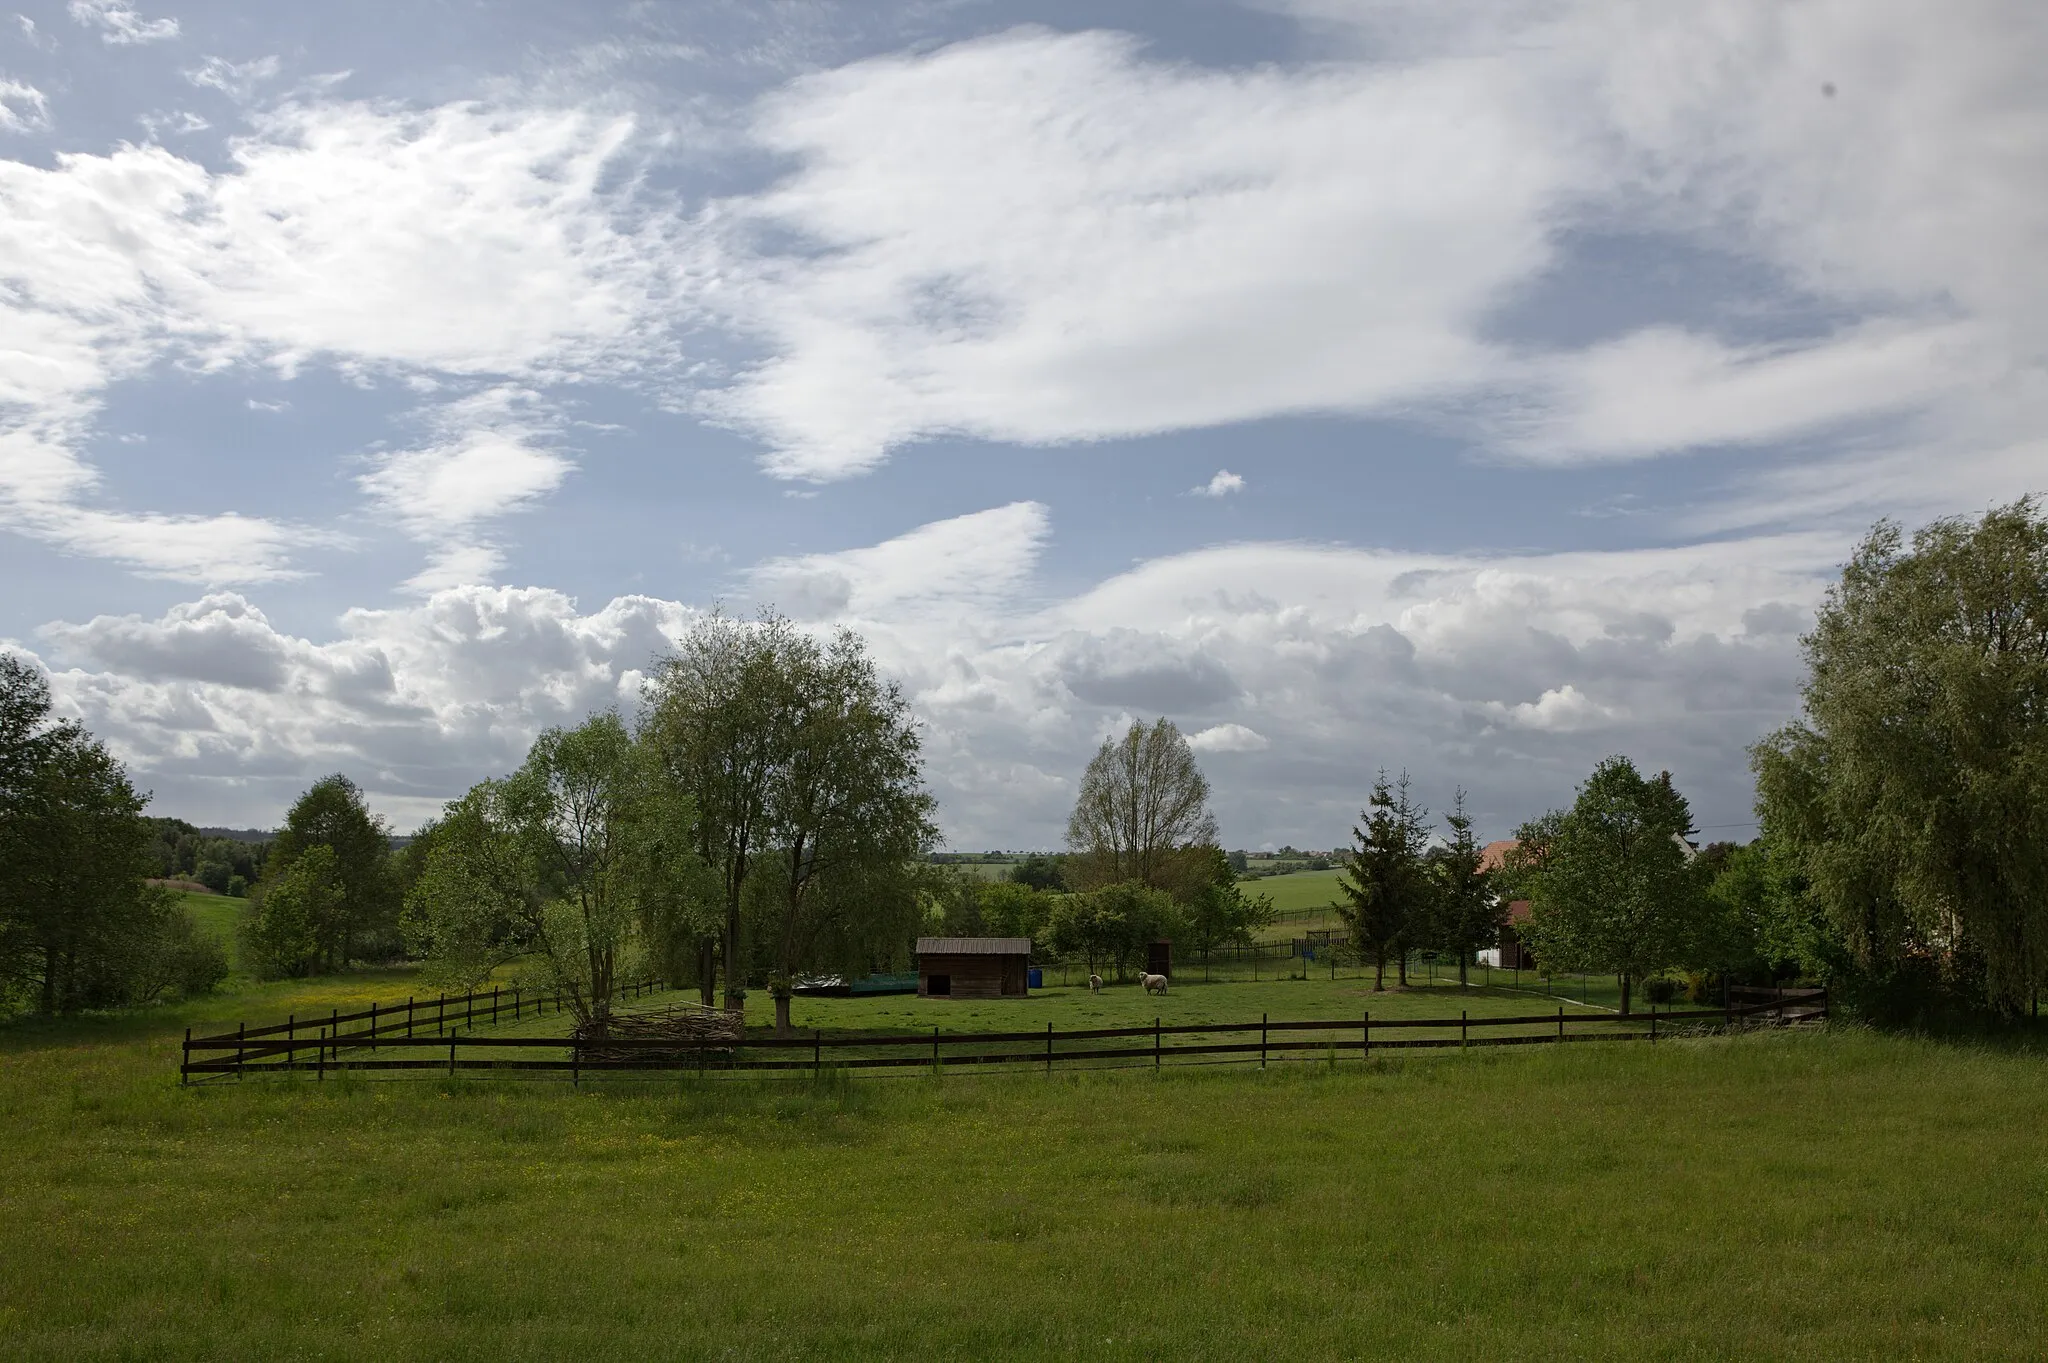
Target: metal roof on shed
(974, 946)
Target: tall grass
(1842, 1195)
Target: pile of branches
(694, 1028)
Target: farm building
(1510, 954)
(973, 967)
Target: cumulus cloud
(1222, 485)
(1228, 738)
(120, 24)
(1306, 665)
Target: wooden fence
(382, 1022)
(280, 1049)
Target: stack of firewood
(694, 1029)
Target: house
(973, 967)
(1510, 954)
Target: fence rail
(260, 1051)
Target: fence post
(291, 1037)
(373, 1019)
(408, 1017)
(333, 1032)
(494, 1005)
(936, 1063)
(1155, 1043)
(1560, 1022)
(1262, 1039)
(1462, 1016)
(817, 1053)
(185, 1063)
(440, 1015)
(1653, 1024)
(241, 1034)
(1048, 1047)
(451, 1051)
(1368, 1034)
(320, 1056)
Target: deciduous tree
(1610, 881)
(1913, 791)
(1143, 802)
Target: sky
(1471, 389)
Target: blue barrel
(1036, 979)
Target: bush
(1660, 989)
(174, 960)
(238, 888)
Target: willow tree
(1143, 810)
(1913, 791)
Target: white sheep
(1154, 984)
(1095, 984)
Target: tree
(1465, 913)
(1112, 924)
(1220, 913)
(1913, 791)
(1385, 883)
(1610, 881)
(1040, 871)
(717, 716)
(296, 916)
(332, 814)
(846, 804)
(75, 915)
(1143, 802)
(543, 866)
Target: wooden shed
(973, 967)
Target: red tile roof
(1495, 854)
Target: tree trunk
(707, 969)
(1379, 972)
(1461, 970)
(783, 1029)
(1624, 993)
(735, 978)
(1404, 967)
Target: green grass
(219, 916)
(1299, 890)
(1835, 1195)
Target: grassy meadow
(1836, 1194)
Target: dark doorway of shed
(940, 986)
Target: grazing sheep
(1095, 984)
(1154, 984)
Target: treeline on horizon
(766, 820)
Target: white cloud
(237, 80)
(1309, 666)
(119, 23)
(461, 241)
(490, 456)
(1228, 738)
(23, 108)
(969, 565)
(1222, 485)
(1045, 237)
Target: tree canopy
(1610, 881)
(1143, 803)
(1385, 883)
(1913, 790)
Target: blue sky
(1472, 389)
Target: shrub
(1660, 989)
